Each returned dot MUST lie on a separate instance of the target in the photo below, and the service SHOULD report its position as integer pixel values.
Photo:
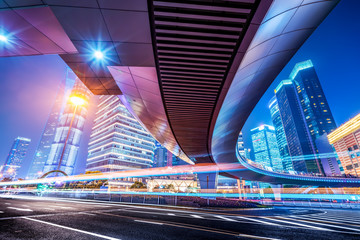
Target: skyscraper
(15, 158)
(346, 140)
(72, 146)
(118, 141)
(297, 134)
(47, 138)
(265, 147)
(280, 134)
(240, 145)
(161, 155)
(316, 109)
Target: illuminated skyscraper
(118, 141)
(73, 142)
(280, 134)
(346, 140)
(297, 134)
(47, 138)
(316, 109)
(265, 147)
(240, 145)
(15, 158)
(162, 157)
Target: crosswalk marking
(227, 219)
(329, 225)
(257, 220)
(341, 220)
(294, 223)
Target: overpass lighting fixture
(99, 55)
(3, 38)
(76, 100)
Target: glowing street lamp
(98, 55)
(77, 101)
(3, 38)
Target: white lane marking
(21, 209)
(225, 218)
(66, 207)
(8, 203)
(257, 220)
(256, 237)
(171, 214)
(340, 220)
(329, 225)
(157, 223)
(196, 216)
(72, 229)
(1, 212)
(339, 217)
(295, 223)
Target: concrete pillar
(277, 191)
(208, 182)
(241, 190)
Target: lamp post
(77, 101)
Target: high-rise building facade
(314, 104)
(48, 135)
(15, 158)
(280, 134)
(265, 147)
(305, 116)
(118, 141)
(73, 118)
(240, 145)
(298, 137)
(161, 155)
(346, 140)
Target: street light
(3, 38)
(77, 101)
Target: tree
(6, 179)
(138, 185)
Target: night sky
(28, 84)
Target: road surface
(26, 217)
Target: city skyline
(183, 122)
(313, 49)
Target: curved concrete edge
(284, 29)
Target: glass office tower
(240, 145)
(161, 155)
(298, 137)
(280, 134)
(118, 141)
(265, 147)
(316, 109)
(15, 158)
(73, 142)
(47, 138)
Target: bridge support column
(277, 188)
(240, 185)
(208, 182)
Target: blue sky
(28, 84)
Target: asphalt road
(25, 217)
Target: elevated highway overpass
(190, 71)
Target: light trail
(306, 196)
(162, 171)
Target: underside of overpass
(190, 71)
